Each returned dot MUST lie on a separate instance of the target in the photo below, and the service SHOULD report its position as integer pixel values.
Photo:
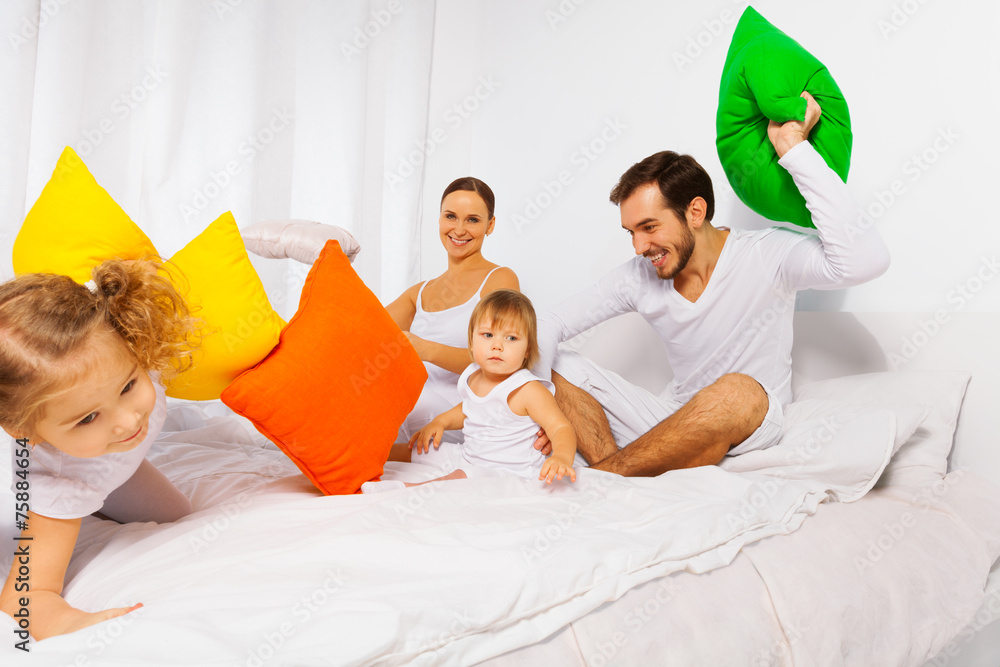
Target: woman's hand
(419, 344)
(542, 442)
(453, 359)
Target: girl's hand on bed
(77, 620)
(52, 547)
(52, 615)
(556, 468)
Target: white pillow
(301, 240)
(908, 417)
(923, 459)
(847, 446)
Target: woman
(435, 314)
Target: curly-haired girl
(80, 383)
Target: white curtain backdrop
(185, 109)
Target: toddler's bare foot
(454, 474)
(395, 484)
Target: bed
(849, 543)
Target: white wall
(630, 79)
(566, 73)
(614, 76)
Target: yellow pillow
(75, 225)
(225, 291)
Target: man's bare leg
(594, 440)
(721, 415)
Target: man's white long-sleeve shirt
(742, 322)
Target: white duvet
(269, 572)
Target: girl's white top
(496, 437)
(68, 487)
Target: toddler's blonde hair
(508, 308)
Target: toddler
(503, 404)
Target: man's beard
(685, 248)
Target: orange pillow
(334, 391)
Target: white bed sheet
(267, 571)
(889, 580)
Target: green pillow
(763, 78)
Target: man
(722, 302)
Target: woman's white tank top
(448, 327)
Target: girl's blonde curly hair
(46, 320)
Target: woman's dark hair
(679, 177)
(471, 184)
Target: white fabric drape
(184, 109)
